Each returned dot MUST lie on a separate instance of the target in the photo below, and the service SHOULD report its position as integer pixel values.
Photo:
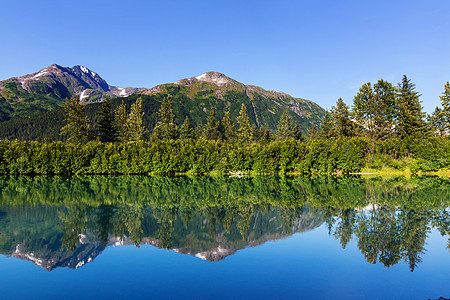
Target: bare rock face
(49, 259)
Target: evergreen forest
(385, 130)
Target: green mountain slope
(193, 98)
(197, 96)
(48, 88)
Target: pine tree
(105, 125)
(245, 129)
(135, 126)
(186, 130)
(326, 127)
(229, 131)
(285, 129)
(410, 114)
(77, 126)
(166, 128)
(445, 102)
(211, 131)
(342, 124)
(120, 122)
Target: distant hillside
(48, 88)
(194, 98)
(215, 91)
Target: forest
(384, 130)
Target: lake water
(203, 237)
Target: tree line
(390, 218)
(386, 129)
(384, 111)
(118, 126)
(380, 111)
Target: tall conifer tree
(410, 115)
(326, 127)
(186, 130)
(166, 128)
(445, 102)
(120, 122)
(285, 129)
(77, 126)
(343, 125)
(374, 109)
(105, 125)
(245, 129)
(437, 121)
(211, 131)
(228, 127)
(135, 126)
(298, 134)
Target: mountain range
(44, 245)
(30, 104)
(48, 88)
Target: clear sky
(318, 50)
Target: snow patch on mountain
(83, 95)
(214, 77)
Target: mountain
(193, 97)
(44, 246)
(216, 91)
(48, 88)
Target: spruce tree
(245, 129)
(166, 128)
(211, 131)
(77, 126)
(120, 122)
(229, 131)
(285, 129)
(135, 126)
(186, 130)
(105, 125)
(342, 124)
(445, 102)
(410, 115)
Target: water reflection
(67, 222)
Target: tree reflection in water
(213, 217)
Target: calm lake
(211, 237)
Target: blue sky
(318, 50)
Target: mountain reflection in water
(68, 221)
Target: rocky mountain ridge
(204, 88)
(48, 88)
(30, 101)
